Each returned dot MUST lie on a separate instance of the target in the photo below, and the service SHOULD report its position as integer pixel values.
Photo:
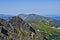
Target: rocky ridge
(17, 29)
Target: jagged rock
(18, 22)
(32, 30)
(4, 31)
(3, 22)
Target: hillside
(17, 29)
(46, 30)
(32, 27)
(38, 18)
(48, 27)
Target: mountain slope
(38, 18)
(46, 30)
(17, 29)
(31, 17)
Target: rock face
(16, 21)
(17, 29)
(4, 31)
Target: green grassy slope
(48, 32)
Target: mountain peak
(15, 19)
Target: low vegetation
(46, 30)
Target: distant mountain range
(38, 18)
(34, 17)
(24, 16)
(56, 17)
(6, 17)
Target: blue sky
(41, 7)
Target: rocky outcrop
(4, 31)
(17, 29)
(16, 21)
